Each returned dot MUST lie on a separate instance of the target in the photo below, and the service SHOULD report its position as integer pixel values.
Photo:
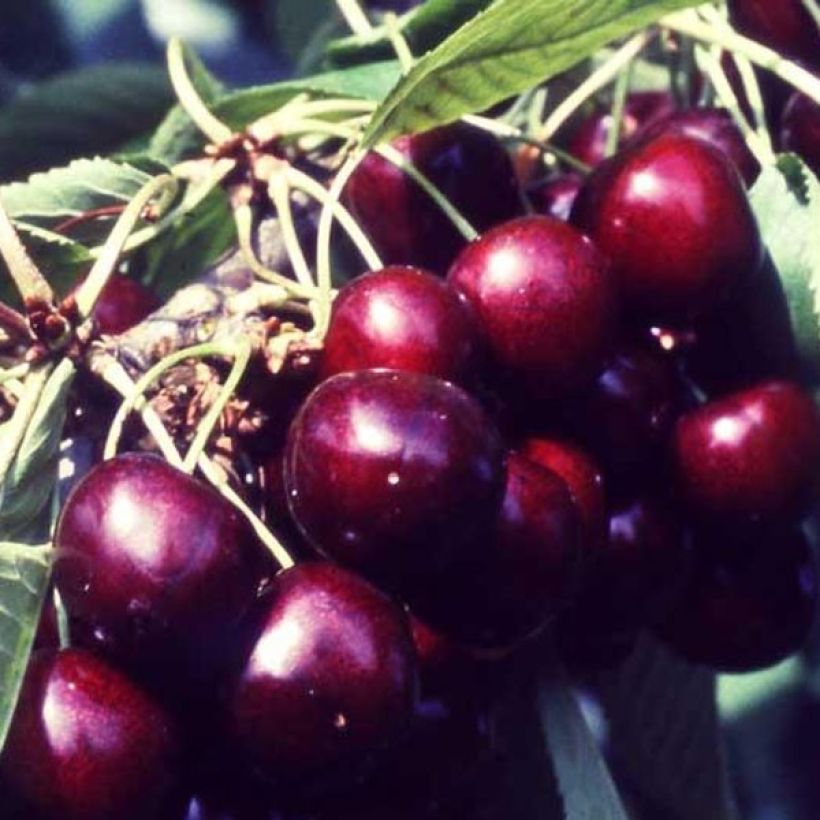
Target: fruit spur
(537, 398)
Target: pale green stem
(279, 193)
(613, 138)
(26, 275)
(214, 129)
(355, 17)
(399, 42)
(89, 291)
(272, 125)
(16, 372)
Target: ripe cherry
(712, 125)
(641, 108)
(582, 476)
(391, 472)
(468, 165)
(672, 215)
(751, 455)
(545, 302)
(404, 319)
(520, 573)
(86, 744)
(330, 680)
(555, 196)
(748, 605)
(626, 417)
(123, 303)
(800, 129)
(158, 566)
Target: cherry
(751, 455)
(401, 318)
(444, 666)
(627, 415)
(123, 303)
(520, 573)
(785, 26)
(715, 126)
(391, 472)
(468, 165)
(545, 302)
(641, 108)
(800, 129)
(86, 744)
(555, 196)
(158, 566)
(330, 679)
(748, 605)
(582, 476)
(672, 215)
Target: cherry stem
(622, 84)
(15, 428)
(89, 291)
(214, 129)
(355, 17)
(280, 554)
(268, 127)
(689, 23)
(596, 81)
(813, 8)
(399, 42)
(88, 216)
(279, 193)
(306, 183)
(16, 372)
(31, 284)
(114, 374)
(241, 357)
(244, 216)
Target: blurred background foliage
(86, 77)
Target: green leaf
(239, 109)
(504, 50)
(24, 573)
(786, 201)
(423, 27)
(583, 778)
(29, 484)
(81, 113)
(665, 740)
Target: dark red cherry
(750, 455)
(672, 215)
(86, 744)
(330, 679)
(392, 472)
(123, 303)
(401, 318)
(712, 125)
(784, 25)
(588, 143)
(158, 566)
(545, 302)
(800, 129)
(748, 605)
(582, 476)
(555, 196)
(521, 571)
(627, 415)
(444, 666)
(468, 165)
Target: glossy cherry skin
(748, 605)
(86, 744)
(520, 573)
(331, 677)
(545, 301)
(751, 455)
(158, 566)
(785, 25)
(123, 303)
(556, 196)
(714, 126)
(641, 108)
(800, 130)
(392, 472)
(672, 215)
(468, 165)
(402, 318)
(626, 417)
(582, 476)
